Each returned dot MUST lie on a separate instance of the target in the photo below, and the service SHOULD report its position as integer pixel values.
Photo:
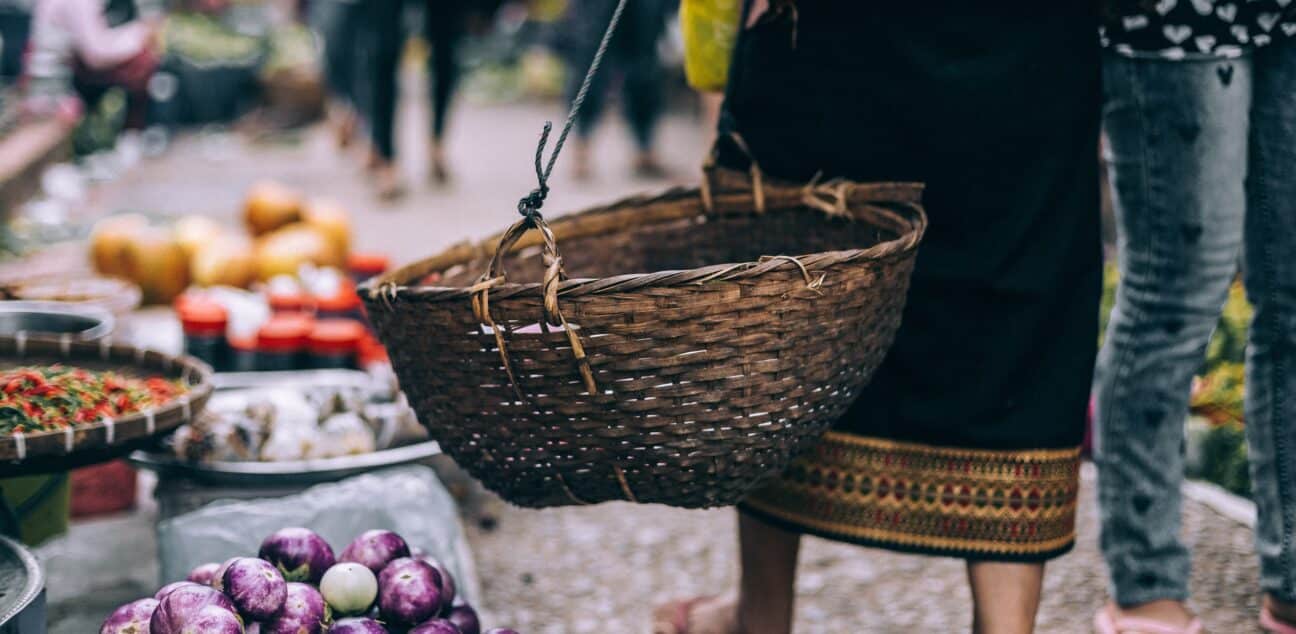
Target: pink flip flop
(672, 617)
(1107, 622)
(1272, 625)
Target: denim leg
(338, 23)
(444, 27)
(384, 41)
(1177, 148)
(1271, 285)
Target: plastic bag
(409, 500)
(710, 30)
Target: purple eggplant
(256, 588)
(304, 612)
(436, 626)
(203, 574)
(501, 630)
(218, 577)
(181, 605)
(132, 618)
(300, 553)
(409, 591)
(212, 619)
(374, 549)
(165, 590)
(358, 625)
(445, 580)
(464, 616)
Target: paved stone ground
(596, 569)
(600, 569)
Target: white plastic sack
(408, 500)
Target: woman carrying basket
(967, 442)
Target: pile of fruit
(52, 398)
(206, 41)
(295, 585)
(282, 231)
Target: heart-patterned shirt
(1187, 29)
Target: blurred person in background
(74, 53)
(633, 56)
(444, 26)
(15, 27)
(1200, 119)
(708, 29)
(966, 444)
(338, 23)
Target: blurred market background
(226, 145)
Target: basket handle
(830, 196)
(529, 207)
(553, 276)
(711, 166)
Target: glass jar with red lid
(289, 302)
(243, 354)
(334, 343)
(204, 323)
(281, 342)
(362, 266)
(342, 304)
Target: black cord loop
(529, 206)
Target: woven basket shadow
(706, 335)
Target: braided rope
(529, 208)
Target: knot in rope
(529, 205)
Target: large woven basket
(709, 335)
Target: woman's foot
(1156, 617)
(646, 165)
(1277, 617)
(440, 175)
(388, 183)
(697, 615)
(373, 161)
(345, 129)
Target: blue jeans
(1202, 161)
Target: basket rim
(196, 375)
(908, 221)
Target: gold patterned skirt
(978, 504)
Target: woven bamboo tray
(26, 454)
(704, 337)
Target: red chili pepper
(57, 396)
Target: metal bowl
(22, 590)
(254, 473)
(85, 323)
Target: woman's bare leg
(763, 602)
(767, 587)
(1005, 596)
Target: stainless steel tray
(285, 473)
(291, 378)
(22, 590)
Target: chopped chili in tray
(51, 398)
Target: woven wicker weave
(721, 330)
(92, 443)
